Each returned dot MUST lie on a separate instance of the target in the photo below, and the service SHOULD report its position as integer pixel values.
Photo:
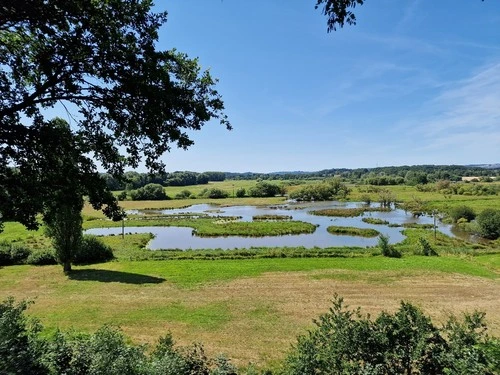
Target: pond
(182, 238)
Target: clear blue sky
(414, 82)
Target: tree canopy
(126, 101)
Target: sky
(414, 82)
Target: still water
(182, 238)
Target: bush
(425, 248)
(462, 212)
(387, 249)
(20, 349)
(264, 189)
(406, 342)
(214, 193)
(184, 194)
(13, 254)
(489, 223)
(92, 250)
(149, 192)
(42, 257)
(241, 192)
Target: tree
(127, 101)
(338, 12)
(489, 223)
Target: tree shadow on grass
(106, 276)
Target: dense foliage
(328, 190)
(343, 342)
(24, 351)
(489, 223)
(128, 102)
(406, 342)
(264, 189)
(149, 192)
(462, 212)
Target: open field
(251, 310)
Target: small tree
(387, 249)
(489, 223)
(462, 212)
(64, 227)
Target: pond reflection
(182, 238)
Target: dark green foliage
(122, 196)
(387, 249)
(20, 348)
(406, 342)
(104, 352)
(338, 12)
(489, 223)
(64, 227)
(12, 254)
(184, 194)
(240, 193)
(264, 189)
(331, 189)
(462, 212)
(214, 193)
(149, 192)
(92, 250)
(42, 257)
(425, 248)
(98, 59)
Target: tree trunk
(67, 267)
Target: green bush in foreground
(406, 342)
(24, 351)
(343, 342)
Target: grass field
(253, 309)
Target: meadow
(252, 303)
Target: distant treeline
(135, 180)
(409, 175)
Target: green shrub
(406, 342)
(489, 223)
(425, 248)
(20, 349)
(92, 250)
(42, 257)
(149, 192)
(387, 249)
(462, 212)
(241, 192)
(214, 193)
(13, 254)
(184, 194)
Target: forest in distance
(392, 175)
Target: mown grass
(353, 231)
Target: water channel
(182, 238)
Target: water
(182, 238)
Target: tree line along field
(252, 303)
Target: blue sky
(414, 82)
